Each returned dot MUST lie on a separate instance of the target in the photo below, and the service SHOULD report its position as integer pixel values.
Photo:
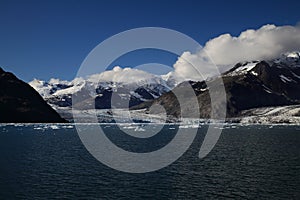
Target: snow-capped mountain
(248, 85)
(289, 60)
(278, 76)
(131, 86)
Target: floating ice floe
(189, 126)
(138, 128)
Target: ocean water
(41, 161)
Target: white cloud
(194, 67)
(125, 75)
(265, 43)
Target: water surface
(49, 161)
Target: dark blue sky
(43, 39)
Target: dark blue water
(252, 162)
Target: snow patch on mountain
(291, 59)
(244, 68)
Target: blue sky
(44, 39)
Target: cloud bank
(266, 43)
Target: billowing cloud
(267, 42)
(126, 75)
(194, 66)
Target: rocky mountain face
(248, 85)
(20, 103)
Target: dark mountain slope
(20, 103)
